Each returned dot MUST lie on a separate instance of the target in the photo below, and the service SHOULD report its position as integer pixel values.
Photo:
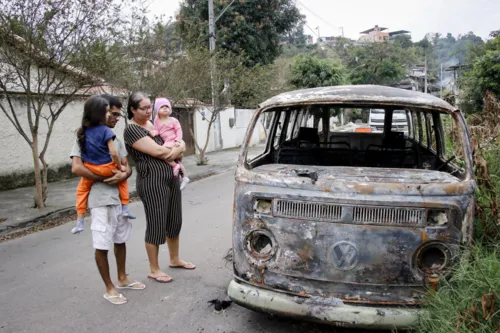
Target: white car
(399, 120)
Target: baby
(169, 129)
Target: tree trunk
(44, 172)
(39, 202)
(202, 159)
(200, 155)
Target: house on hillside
(374, 35)
(379, 35)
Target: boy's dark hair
(94, 114)
(113, 101)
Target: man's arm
(79, 169)
(120, 176)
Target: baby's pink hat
(161, 101)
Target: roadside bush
(469, 301)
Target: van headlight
(438, 217)
(263, 206)
(433, 257)
(261, 244)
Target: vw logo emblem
(344, 255)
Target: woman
(156, 185)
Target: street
(50, 282)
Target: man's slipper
(159, 278)
(188, 265)
(136, 285)
(117, 300)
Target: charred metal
(350, 228)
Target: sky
(419, 17)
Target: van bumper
(327, 311)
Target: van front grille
(389, 216)
(340, 213)
(307, 210)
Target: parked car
(399, 120)
(350, 228)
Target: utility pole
(425, 73)
(342, 28)
(441, 79)
(319, 35)
(211, 30)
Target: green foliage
(379, 63)
(457, 306)
(295, 36)
(403, 41)
(470, 300)
(310, 72)
(253, 28)
(483, 75)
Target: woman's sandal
(188, 265)
(160, 279)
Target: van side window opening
(432, 132)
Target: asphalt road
(49, 281)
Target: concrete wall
(232, 137)
(16, 169)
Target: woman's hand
(175, 154)
(148, 146)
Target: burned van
(338, 224)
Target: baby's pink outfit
(170, 132)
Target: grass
(470, 300)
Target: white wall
(232, 137)
(16, 153)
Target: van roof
(371, 95)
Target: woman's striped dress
(157, 188)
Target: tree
(403, 41)
(482, 76)
(295, 36)
(252, 28)
(379, 63)
(39, 40)
(310, 72)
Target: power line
(317, 16)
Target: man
(108, 226)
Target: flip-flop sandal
(136, 285)
(158, 279)
(184, 266)
(116, 300)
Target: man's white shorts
(108, 227)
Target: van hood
(357, 179)
(360, 174)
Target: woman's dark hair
(94, 114)
(133, 102)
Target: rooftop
(360, 95)
(373, 29)
(398, 32)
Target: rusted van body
(333, 223)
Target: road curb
(63, 212)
